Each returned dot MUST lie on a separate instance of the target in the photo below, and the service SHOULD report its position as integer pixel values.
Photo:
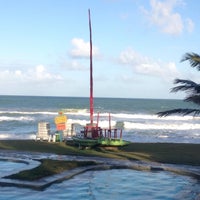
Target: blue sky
(137, 47)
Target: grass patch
(173, 153)
(31, 145)
(48, 168)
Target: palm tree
(190, 87)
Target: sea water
(20, 115)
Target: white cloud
(37, 74)
(189, 25)
(73, 65)
(10, 75)
(40, 73)
(18, 73)
(163, 15)
(81, 49)
(143, 65)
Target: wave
(102, 124)
(142, 126)
(22, 118)
(133, 131)
(127, 120)
(85, 112)
(75, 110)
(134, 116)
(160, 126)
(154, 117)
(4, 136)
(29, 112)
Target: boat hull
(112, 142)
(87, 142)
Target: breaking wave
(23, 124)
(20, 118)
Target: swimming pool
(110, 184)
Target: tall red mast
(91, 74)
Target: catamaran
(92, 134)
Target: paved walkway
(103, 163)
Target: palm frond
(186, 85)
(193, 98)
(179, 111)
(188, 82)
(193, 58)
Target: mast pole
(91, 74)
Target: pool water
(113, 184)
(8, 167)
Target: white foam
(163, 136)
(154, 117)
(141, 123)
(29, 113)
(22, 118)
(147, 126)
(84, 112)
(4, 136)
(74, 110)
(102, 124)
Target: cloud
(40, 73)
(73, 64)
(189, 25)
(37, 74)
(163, 15)
(145, 66)
(81, 49)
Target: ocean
(20, 115)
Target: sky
(137, 47)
